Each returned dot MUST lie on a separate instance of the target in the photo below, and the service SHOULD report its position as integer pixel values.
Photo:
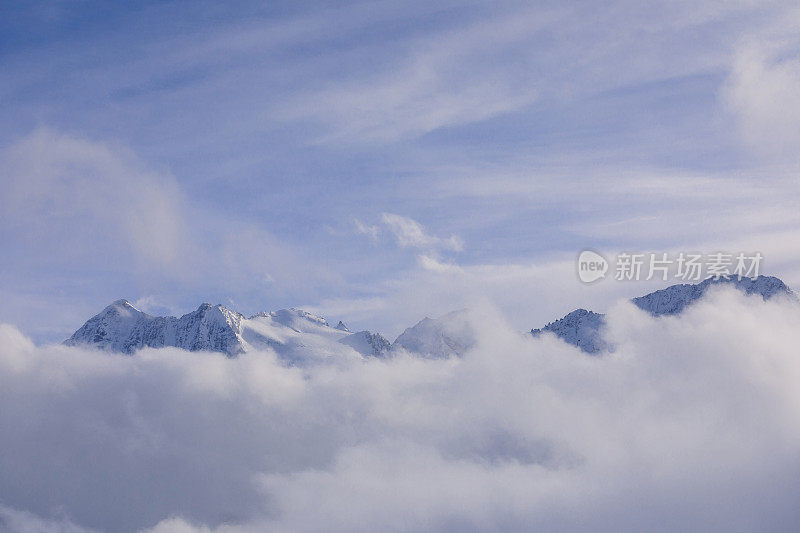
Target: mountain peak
(580, 328)
(294, 318)
(675, 298)
(367, 343)
(123, 328)
(120, 327)
(122, 305)
(583, 328)
(446, 336)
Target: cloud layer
(693, 423)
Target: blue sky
(382, 161)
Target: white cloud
(73, 196)
(461, 73)
(530, 293)
(410, 233)
(427, 88)
(763, 91)
(372, 231)
(14, 521)
(89, 218)
(693, 423)
(431, 263)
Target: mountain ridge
(583, 328)
(295, 334)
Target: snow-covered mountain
(121, 327)
(367, 343)
(293, 333)
(674, 299)
(298, 336)
(580, 327)
(583, 328)
(450, 335)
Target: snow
(298, 336)
(447, 336)
(584, 328)
(580, 327)
(674, 299)
(366, 343)
(293, 333)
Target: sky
(378, 162)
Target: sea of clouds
(692, 423)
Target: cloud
(410, 233)
(54, 184)
(90, 220)
(434, 265)
(693, 423)
(763, 90)
(425, 87)
(372, 231)
(530, 293)
(590, 90)
(14, 521)
(461, 73)
(533, 291)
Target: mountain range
(583, 328)
(296, 335)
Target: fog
(692, 423)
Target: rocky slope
(583, 328)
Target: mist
(691, 423)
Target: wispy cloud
(410, 233)
(372, 231)
(530, 129)
(67, 195)
(763, 89)
(435, 265)
(94, 212)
